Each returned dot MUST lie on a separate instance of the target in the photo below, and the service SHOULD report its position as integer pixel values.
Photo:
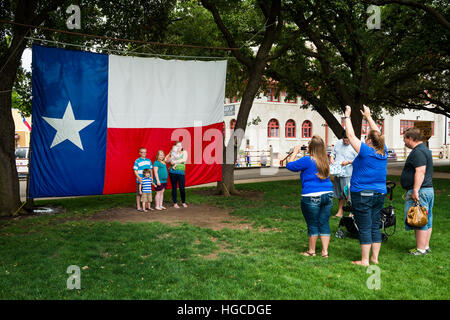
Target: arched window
(290, 128)
(232, 125)
(273, 129)
(306, 129)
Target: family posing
(364, 165)
(156, 174)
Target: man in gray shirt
(343, 155)
(417, 180)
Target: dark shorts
(339, 184)
(161, 186)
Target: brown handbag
(417, 216)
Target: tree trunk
(9, 180)
(357, 118)
(226, 186)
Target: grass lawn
(158, 261)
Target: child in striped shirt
(145, 190)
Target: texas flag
(92, 112)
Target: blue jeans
(179, 179)
(317, 210)
(426, 197)
(366, 207)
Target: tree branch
(226, 33)
(439, 17)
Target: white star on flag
(68, 128)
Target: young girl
(160, 174)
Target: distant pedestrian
(417, 180)
(247, 159)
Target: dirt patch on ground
(199, 215)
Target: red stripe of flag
(123, 146)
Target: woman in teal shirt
(160, 174)
(177, 158)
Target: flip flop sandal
(308, 254)
(325, 255)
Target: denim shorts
(426, 197)
(317, 210)
(366, 207)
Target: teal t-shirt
(162, 171)
(140, 164)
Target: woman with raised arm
(317, 193)
(368, 186)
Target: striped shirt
(140, 164)
(146, 185)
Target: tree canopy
(338, 61)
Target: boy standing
(140, 164)
(145, 190)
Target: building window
(290, 100)
(290, 128)
(405, 124)
(273, 129)
(365, 126)
(306, 129)
(271, 96)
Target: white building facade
(279, 125)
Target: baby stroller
(387, 216)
